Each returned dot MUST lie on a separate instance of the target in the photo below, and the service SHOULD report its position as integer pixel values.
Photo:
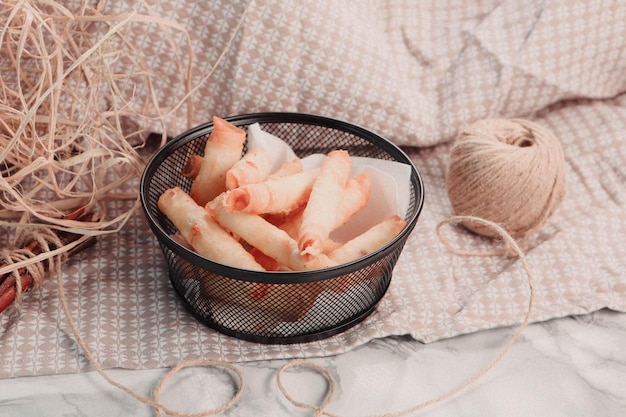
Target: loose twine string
(511, 248)
(154, 400)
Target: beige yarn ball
(508, 171)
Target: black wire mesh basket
(277, 307)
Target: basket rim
(278, 277)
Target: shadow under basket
(277, 307)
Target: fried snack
(266, 237)
(288, 168)
(182, 211)
(290, 302)
(280, 195)
(273, 303)
(356, 196)
(369, 241)
(252, 168)
(270, 264)
(206, 237)
(319, 216)
(192, 167)
(222, 150)
(290, 222)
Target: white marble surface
(574, 366)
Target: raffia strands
(68, 125)
(67, 143)
(508, 171)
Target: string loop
(319, 410)
(158, 407)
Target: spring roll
(288, 168)
(273, 303)
(270, 264)
(182, 211)
(290, 222)
(319, 216)
(204, 235)
(222, 150)
(192, 167)
(290, 302)
(252, 168)
(355, 197)
(280, 195)
(369, 241)
(266, 237)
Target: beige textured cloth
(417, 73)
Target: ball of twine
(508, 171)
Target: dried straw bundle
(67, 145)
